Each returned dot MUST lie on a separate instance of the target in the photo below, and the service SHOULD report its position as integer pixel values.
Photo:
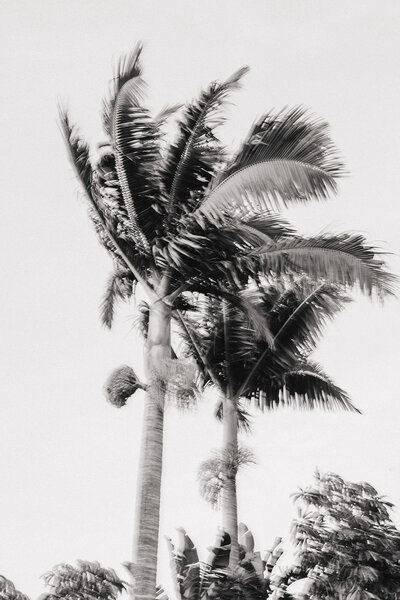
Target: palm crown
(203, 217)
(230, 351)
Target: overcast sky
(67, 459)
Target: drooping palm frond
(197, 153)
(344, 258)
(288, 157)
(141, 320)
(127, 68)
(78, 151)
(305, 385)
(106, 210)
(119, 287)
(213, 471)
(136, 141)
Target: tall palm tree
(186, 217)
(242, 366)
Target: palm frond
(103, 219)
(267, 226)
(103, 234)
(196, 348)
(141, 320)
(297, 312)
(304, 386)
(128, 67)
(345, 258)
(212, 472)
(288, 157)
(78, 150)
(245, 310)
(137, 158)
(256, 232)
(119, 287)
(195, 155)
(210, 252)
(106, 191)
(300, 311)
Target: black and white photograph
(200, 308)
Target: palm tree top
(271, 371)
(206, 219)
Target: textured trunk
(229, 499)
(158, 349)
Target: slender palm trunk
(145, 548)
(229, 497)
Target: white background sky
(68, 459)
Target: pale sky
(68, 460)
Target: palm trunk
(145, 548)
(229, 497)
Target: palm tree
(232, 356)
(186, 217)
